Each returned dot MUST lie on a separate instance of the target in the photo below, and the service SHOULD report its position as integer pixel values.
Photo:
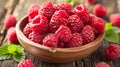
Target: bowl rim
(20, 34)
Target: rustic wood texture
(19, 8)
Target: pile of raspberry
(61, 26)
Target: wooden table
(19, 8)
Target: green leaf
(13, 49)
(4, 50)
(72, 2)
(116, 29)
(5, 57)
(19, 57)
(112, 36)
(108, 26)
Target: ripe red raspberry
(113, 51)
(59, 18)
(50, 40)
(36, 37)
(75, 41)
(11, 35)
(64, 6)
(91, 1)
(115, 19)
(33, 11)
(61, 44)
(98, 25)
(39, 24)
(27, 30)
(99, 10)
(64, 33)
(10, 21)
(102, 64)
(74, 23)
(87, 34)
(47, 10)
(83, 13)
(26, 63)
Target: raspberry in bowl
(61, 34)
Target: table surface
(19, 8)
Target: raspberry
(113, 51)
(50, 40)
(74, 23)
(11, 35)
(47, 10)
(83, 13)
(27, 30)
(115, 19)
(33, 11)
(64, 6)
(39, 24)
(61, 44)
(99, 10)
(26, 63)
(91, 1)
(87, 34)
(75, 41)
(59, 18)
(102, 64)
(98, 25)
(36, 37)
(10, 21)
(64, 33)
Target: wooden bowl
(56, 55)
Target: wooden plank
(118, 3)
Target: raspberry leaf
(72, 2)
(112, 36)
(4, 50)
(10, 51)
(14, 49)
(108, 26)
(19, 57)
(116, 29)
(111, 33)
(5, 57)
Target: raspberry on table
(36, 37)
(64, 6)
(74, 23)
(11, 35)
(50, 40)
(91, 1)
(87, 34)
(47, 10)
(27, 30)
(75, 41)
(10, 21)
(60, 17)
(33, 11)
(102, 64)
(98, 25)
(83, 13)
(112, 51)
(63, 33)
(100, 10)
(26, 63)
(115, 19)
(39, 24)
